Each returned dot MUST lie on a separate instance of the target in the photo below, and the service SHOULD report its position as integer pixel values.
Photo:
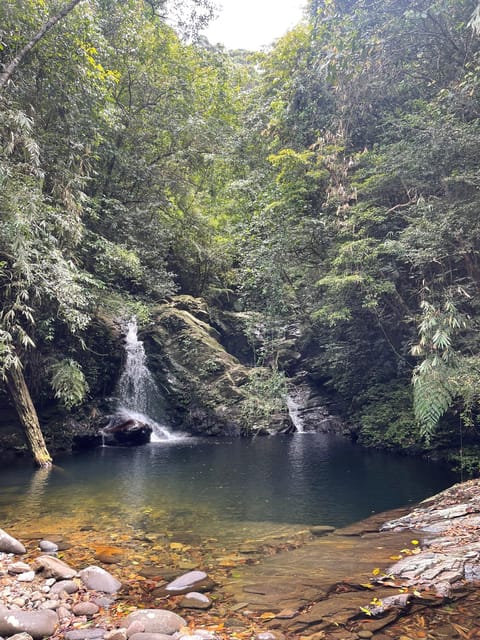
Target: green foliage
(266, 394)
(68, 383)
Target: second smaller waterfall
(139, 398)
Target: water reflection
(217, 486)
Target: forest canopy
(330, 185)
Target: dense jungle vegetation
(330, 186)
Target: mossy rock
(204, 384)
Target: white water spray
(294, 411)
(139, 397)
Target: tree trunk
(10, 68)
(27, 414)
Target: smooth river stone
(8, 544)
(156, 621)
(321, 530)
(19, 567)
(194, 600)
(88, 609)
(69, 586)
(100, 580)
(48, 547)
(37, 623)
(186, 583)
(85, 634)
(51, 567)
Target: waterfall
(294, 411)
(139, 397)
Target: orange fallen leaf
(268, 615)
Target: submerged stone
(186, 582)
(321, 530)
(195, 600)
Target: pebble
(68, 586)
(194, 600)
(85, 634)
(85, 609)
(48, 547)
(50, 604)
(364, 633)
(28, 576)
(19, 567)
(116, 634)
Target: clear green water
(225, 489)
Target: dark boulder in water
(127, 431)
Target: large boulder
(38, 624)
(126, 431)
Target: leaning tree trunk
(27, 414)
(10, 68)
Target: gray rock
(53, 568)
(63, 613)
(28, 576)
(103, 601)
(85, 634)
(50, 604)
(35, 623)
(48, 547)
(9, 544)
(151, 636)
(156, 621)
(21, 636)
(19, 567)
(85, 609)
(69, 586)
(100, 580)
(194, 600)
(321, 530)
(116, 634)
(135, 627)
(186, 583)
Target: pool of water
(227, 489)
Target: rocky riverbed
(343, 584)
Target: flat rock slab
(51, 567)
(325, 573)
(449, 526)
(333, 612)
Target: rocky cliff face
(205, 387)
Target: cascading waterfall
(294, 408)
(138, 395)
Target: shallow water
(228, 489)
